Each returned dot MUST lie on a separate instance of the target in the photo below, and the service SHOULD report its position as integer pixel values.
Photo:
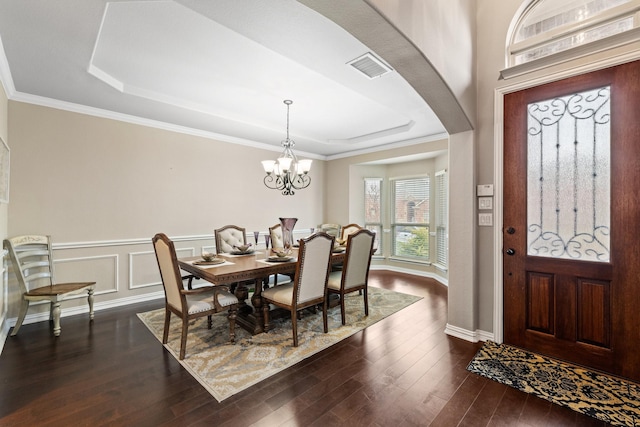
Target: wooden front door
(572, 219)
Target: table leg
(256, 301)
(242, 293)
(250, 317)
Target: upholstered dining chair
(277, 242)
(228, 237)
(309, 287)
(349, 229)
(189, 304)
(342, 240)
(32, 261)
(330, 229)
(355, 272)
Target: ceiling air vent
(370, 66)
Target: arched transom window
(555, 30)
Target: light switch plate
(485, 219)
(484, 190)
(485, 202)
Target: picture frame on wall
(4, 171)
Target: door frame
(498, 170)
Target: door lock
(511, 251)
(511, 230)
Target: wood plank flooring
(402, 371)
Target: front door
(571, 233)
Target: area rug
(225, 369)
(606, 398)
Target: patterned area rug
(606, 398)
(225, 369)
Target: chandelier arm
(300, 181)
(294, 178)
(273, 182)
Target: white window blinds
(410, 227)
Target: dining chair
(32, 261)
(355, 272)
(309, 287)
(349, 229)
(277, 242)
(342, 240)
(330, 229)
(189, 304)
(228, 237)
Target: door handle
(511, 251)
(511, 230)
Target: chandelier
(287, 173)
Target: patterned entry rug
(598, 395)
(225, 369)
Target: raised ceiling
(215, 68)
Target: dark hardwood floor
(402, 371)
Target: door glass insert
(568, 176)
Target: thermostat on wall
(485, 190)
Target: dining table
(252, 268)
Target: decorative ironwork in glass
(568, 176)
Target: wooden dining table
(246, 269)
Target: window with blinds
(373, 209)
(410, 226)
(442, 234)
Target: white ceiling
(216, 68)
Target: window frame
(442, 220)
(395, 224)
(376, 227)
(574, 29)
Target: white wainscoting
(101, 261)
(143, 267)
(93, 268)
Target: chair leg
(366, 302)
(342, 310)
(209, 322)
(90, 300)
(183, 337)
(233, 313)
(23, 312)
(324, 314)
(55, 312)
(294, 326)
(167, 321)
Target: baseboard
(467, 335)
(427, 274)
(98, 306)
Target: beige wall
(103, 188)
(339, 195)
(4, 134)
(346, 203)
(445, 31)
